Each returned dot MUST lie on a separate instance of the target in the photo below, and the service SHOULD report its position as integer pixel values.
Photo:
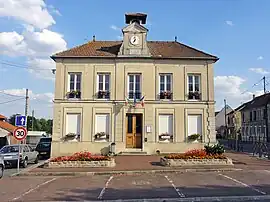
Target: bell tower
(134, 36)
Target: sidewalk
(150, 164)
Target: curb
(26, 170)
(124, 172)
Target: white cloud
(230, 88)
(42, 68)
(33, 12)
(54, 10)
(229, 22)
(114, 27)
(35, 45)
(40, 102)
(260, 58)
(259, 71)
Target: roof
(259, 101)
(2, 117)
(158, 49)
(136, 16)
(216, 113)
(7, 126)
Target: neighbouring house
(221, 121)
(234, 120)
(255, 116)
(33, 137)
(6, 132)
(144, 96)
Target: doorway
(134, 131)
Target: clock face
(134, 40)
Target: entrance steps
(134, 152)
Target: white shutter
(194, 124)
(73, 123)
(102, 123)
(165, 124)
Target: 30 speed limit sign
(20, 133)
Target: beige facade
(119, 115)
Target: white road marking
(180, 194)
(242, 183)
(33, 189)
(104, 188)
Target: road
(10, 171)
(206, 186)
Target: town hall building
(143, 96)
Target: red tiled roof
(2, 117)
(158, 49)
(7, 126)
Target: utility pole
(264, 85)
(225, 115)
(33, 120)
(26, 108)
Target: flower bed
(196, 157)
(81, 159)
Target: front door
(134, 131)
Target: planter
(194, 162)
(82, 164)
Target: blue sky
(237, 31)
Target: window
(74, 87)
(102, 127)
(165, 127)
(250, 116)
(73, 125)
(103, 86)
(243, 117)
(194, 87)
(194, 124)
(254, 116)
(134, 86)
(165, 86)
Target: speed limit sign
(20, 133)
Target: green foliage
(194, 137)
(214, 149)
(38, 124)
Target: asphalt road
(207, 186)
(10, 171)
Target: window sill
(101, 140)
(74, 99)
(166, 141)
(194, 100)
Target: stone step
(128, 153)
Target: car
(2, 166)
(44, 147)
(27, 155)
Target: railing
(103, 95)
(165, 95)
(194, 95)
(137, 95)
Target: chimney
(254, 96)
(94, 38)
(175, 38)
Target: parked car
(11, 153)
(2, 166)
(44, 147)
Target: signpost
(19, 134)
(20, 120)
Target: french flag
(142, 100)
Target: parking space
(141, 186)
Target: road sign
(20, 120)
(20, 133)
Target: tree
(35, 124)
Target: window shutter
(165, 124)
(194, 124)
(73, 123)
(102, 123)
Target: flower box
(101, 136)
(74, 94)
(81, 159)
(165, 95)
(194, 95)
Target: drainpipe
(208, 130)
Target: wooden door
(134, 131)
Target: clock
(134, 40)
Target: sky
(237, 31)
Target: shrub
(195, 154)
(80, 156)
(194, 137)
(214, 149)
